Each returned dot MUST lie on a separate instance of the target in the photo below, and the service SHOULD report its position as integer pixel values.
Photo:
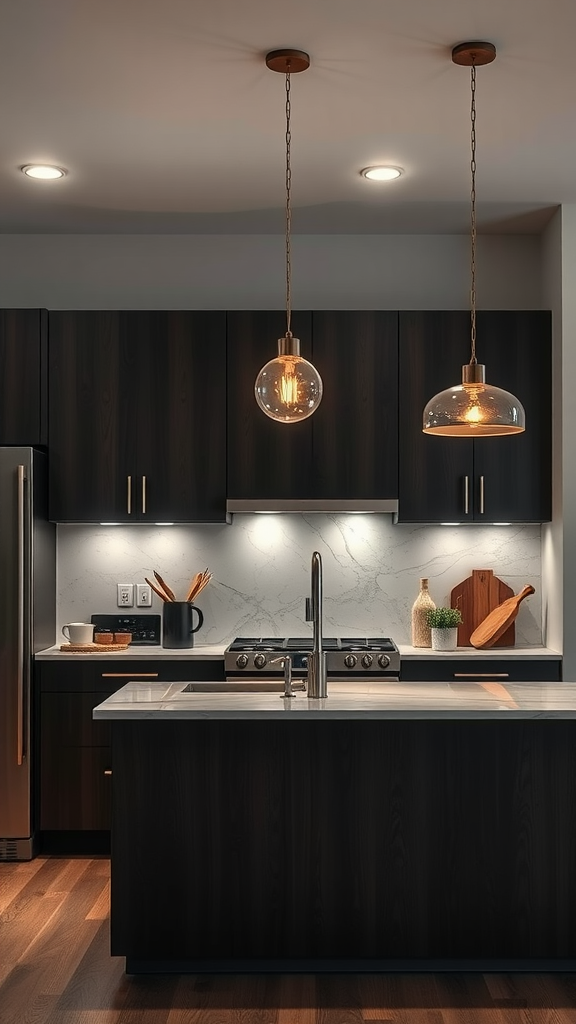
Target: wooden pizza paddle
(498, 621)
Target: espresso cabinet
(349, 447)
(479, 669)
(75, 760)
(454, 479)
(137, 416)
(23, 398)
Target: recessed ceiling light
(381, 173)
(43, 171)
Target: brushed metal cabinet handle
(107, 771)
(21, 556)
(466, 495)
(481, 675)
(144, 495)
(481, 495)
(129, 495)
(129, 675)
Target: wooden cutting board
(476, 597)
(93, 648)
(498, 621)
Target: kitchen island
(429, 826)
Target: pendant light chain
(288, 210)
(473, 213)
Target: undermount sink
(242, 686)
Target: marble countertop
(138, 652)
(213, 652)
(386, 700)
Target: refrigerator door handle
(21, 670)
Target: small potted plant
(444, 624)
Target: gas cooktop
(242, 643)
(347, 655)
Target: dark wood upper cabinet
(23, 401)
(348, 447)
(355, 429)
(266, 459)
(501, 479)
(137, 416)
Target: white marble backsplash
(261, 566)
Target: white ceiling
(168, 120)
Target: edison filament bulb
(288, 388)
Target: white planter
(444, 639)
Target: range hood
(299, 505)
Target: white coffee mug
(78, 632)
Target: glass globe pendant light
(473, 408)
(288, 388)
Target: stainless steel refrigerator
(27, 624)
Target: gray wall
(559, 547)
(247, 271)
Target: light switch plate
(125, 595)
(143, 595)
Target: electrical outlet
(125, 595)
(143, 595)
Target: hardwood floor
(55, 968)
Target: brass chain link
(288, 209)
(473, 213)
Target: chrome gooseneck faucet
(317, 686)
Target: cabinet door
(266, 459)
(513, 475)
(490, 479)
(23, 405)
(93, 381)
(180, 419)
(355, 429)
(137, 416)
(436, 473)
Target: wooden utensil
(203, 583)
(498, 621)
(195, 581)
(205, 578)
(156, 591)
(169, 593)
(475, 598)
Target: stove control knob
(259, 661)
(242, 661)
(383, 660)
(350, 660)
(366, 660)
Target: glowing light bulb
(473, 413)
(288, 388)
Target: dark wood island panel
(344, 844)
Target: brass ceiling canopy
(288, 62)
(473, 408)
(467, 54)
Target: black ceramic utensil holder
(177, 629)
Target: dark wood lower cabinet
(343, 844)
(76, 791)
(478, 669)
(75, 758)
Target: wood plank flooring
(55, 968)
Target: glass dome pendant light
(473, 408)
(288, 388)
